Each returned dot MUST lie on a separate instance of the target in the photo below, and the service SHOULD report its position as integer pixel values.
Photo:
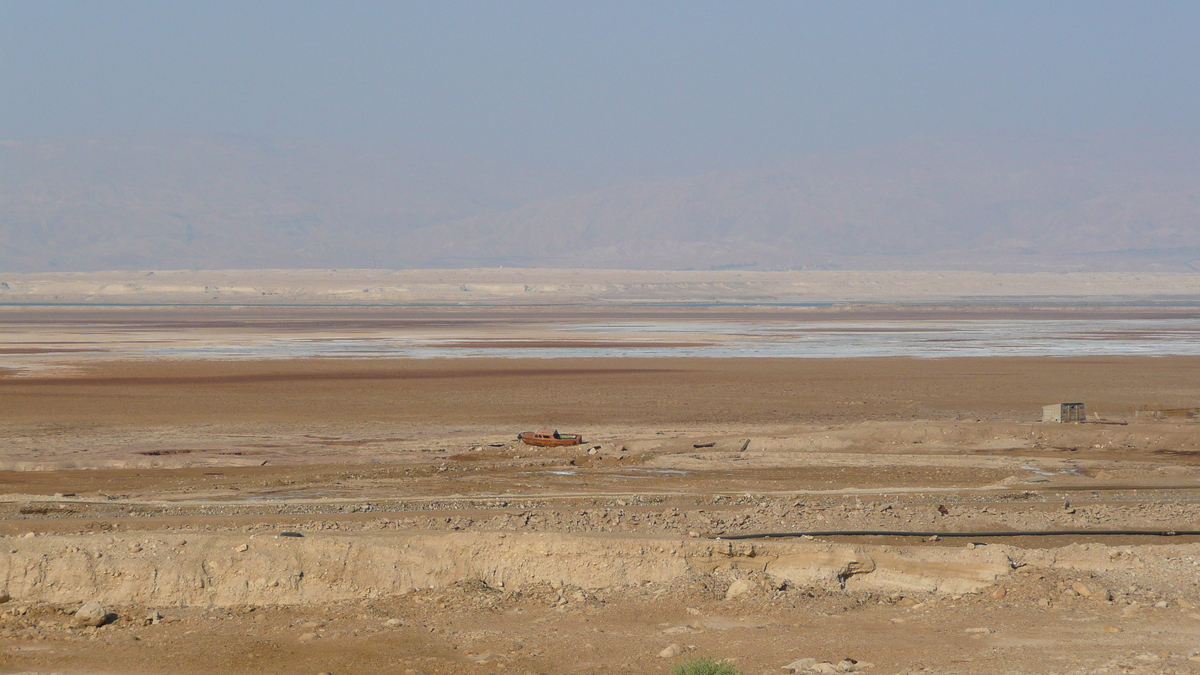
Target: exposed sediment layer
(161, 569)
(542, 286)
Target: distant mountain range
(1105, 202)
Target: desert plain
(286, 473)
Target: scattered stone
(670, 652)
(800, 665)
(999, 593)
(737, 588)
(152, 618)
(4, 597)
(243, 548)
(1081, 589)
(92, 614)
(1043, 602)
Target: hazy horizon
(677, 135)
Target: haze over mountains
(1020, 203)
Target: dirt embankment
(162, 569)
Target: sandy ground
(433, 542)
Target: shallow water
(847, 338)
(934, 339)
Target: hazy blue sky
(631, 87)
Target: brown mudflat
(644, 391)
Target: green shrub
(704, 666)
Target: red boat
(548, 437)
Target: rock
(4, 597)
(243, 548)
(738, 587)
(1162, 604)
(670, 652)
(394, 622)
(824, 669)
(800, 665)
(981, 630)
(847, 666)
(308, 637)
(999, 593)
(152, 618)
(92, 614)
(1081, 589)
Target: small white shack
(1063, 412)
